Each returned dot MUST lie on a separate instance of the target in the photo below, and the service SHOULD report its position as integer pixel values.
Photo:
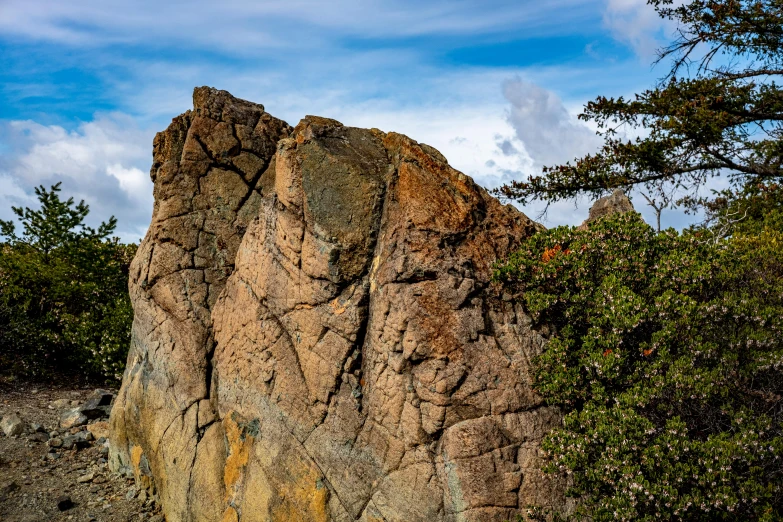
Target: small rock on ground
(12, 425)
(72, 418)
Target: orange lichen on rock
(240, 436)
(304, 498)
(230, 515)
(142, 476)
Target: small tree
(57, 224)
(64, 303)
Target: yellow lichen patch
(144, 480)
(337, 307)
(304, 496)
(230, 515)
(240, 436)
(136, 453)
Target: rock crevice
(322, 295)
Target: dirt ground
(34, 475)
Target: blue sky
(494, 84)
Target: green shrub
(64, 304)
(665, 354)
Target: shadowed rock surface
(316, 337)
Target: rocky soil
(52, 472)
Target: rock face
(615, 203)
(316, 337)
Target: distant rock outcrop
(615, 203)
(316, 337)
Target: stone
(615, 203)
(64, 503)
(79, 440)
(12, 425)
(68, 442)
(103, 397)
(38, 437)
(97, 405)
(131, 494)
(72, 418)
(86, 478)
(99, 429)
(317, 336)
(60, 404)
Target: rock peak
(223, 106)
(615, 203)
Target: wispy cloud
(637, 24)
(245, 25)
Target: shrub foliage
(64, 303)
(665, 356)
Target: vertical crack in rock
(202, 182)
(322, 296)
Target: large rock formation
(316, 337)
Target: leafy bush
(665, 354)
(64, 303)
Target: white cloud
(637, 24)
(101, 162)
(550, 133)
(133, 181)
